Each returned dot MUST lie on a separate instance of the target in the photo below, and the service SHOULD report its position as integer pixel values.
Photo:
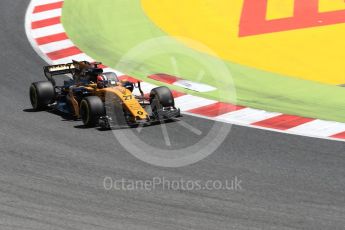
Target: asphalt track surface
(52, 170)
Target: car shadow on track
(29, 111)
(70, 118)
(64, 116)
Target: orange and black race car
(100, 99)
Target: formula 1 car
(101, 99)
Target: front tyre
(91, 109)
(41, 94)
(161, 97)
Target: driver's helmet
(102, 81)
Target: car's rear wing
(53, 70)
(69, 68)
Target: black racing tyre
(91, 109)
(42, 94)
(161, 97)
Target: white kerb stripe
(246, 116)
(47, 31)
(188, 102)
(78, 57)
(55, 46)
(46, 15)
(44, 2)
(319, 128)
(147, 87)
(196, 86)
(118, 73)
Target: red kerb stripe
(339, 135)
(283, 122)
(64, 53)
(129, 78)
(51, 38)
(177, 94)
(215, 109)
(50, 6)
(46, 22)
(102, 66)
(166, 78)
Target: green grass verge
(108, 30)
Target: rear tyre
(41, 94)
(161, 97)
(91, 109)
